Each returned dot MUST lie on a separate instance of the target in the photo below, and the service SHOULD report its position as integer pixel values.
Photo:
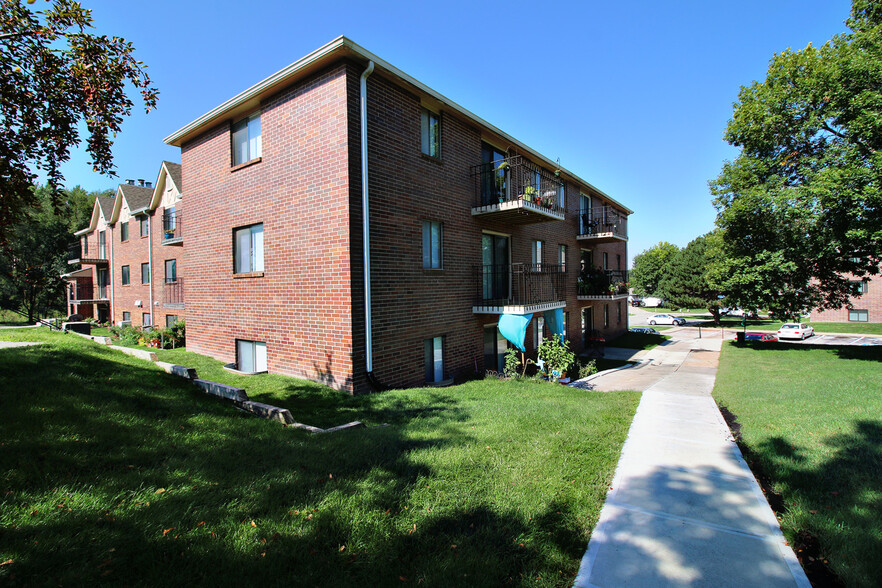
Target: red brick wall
(162, 253)
(871, 301)
(301, 306)
(132, 252)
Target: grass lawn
(638, 340)
(114, 472)
(811, 420)
(7, 317)
(773, 325)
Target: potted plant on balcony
(169, 233)
(530, 194)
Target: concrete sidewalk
(684, 509)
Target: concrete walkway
(684, 509)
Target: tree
(690, 281)
(650, 267)
(55, 75)
(801, 206)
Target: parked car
(760, 337)
(644, 330)
(651, 302)
(666, 319)
(795, 331)
(731, 311)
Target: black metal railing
(75, 252)
(172, 225)
(173, 291)
(87, 292)
(598, 282)
(603, 220)
(516, 178)
(519, 284)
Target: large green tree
(691, 281)
(801, 206)
(650, 267)
(55, 74)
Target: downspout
(150, 261)
(366, 225)
(110, 277)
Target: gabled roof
(341, 48)
(137, 197)
(174, 172)
(103, 206)
(168, 172)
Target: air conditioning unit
(125, 323)
(138, 303)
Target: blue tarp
(514, 328)
(554, 320)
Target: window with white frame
(248, 246)
(145, 273)
(145, 226)
(127, 316)
(146, 319)
(863, 286)
(247, 142)
(126, 278)
(250, 356)
(170, 320)
(539, 332)
(605, 316)
(434, 350)
(171, 271)
(536, 249)
(562, 257)
(430, 133)
(432, 238)
(124, 231)
(860, 316)
(605, 260)
(562, 200)
(566, 321)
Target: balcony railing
(515, 190)
(172, 228)
(87, 292)
(173, 293)
(526, 287)
(597, 283)
(603, 223)
(75, 254)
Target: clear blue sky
(632, 96)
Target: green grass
(773, 325)
(7, 317)
(631, 340)
(113, 472)
(812, 421)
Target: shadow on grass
(868, 352)
(114, 473)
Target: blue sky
(632, 96)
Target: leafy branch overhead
(55, 74)
(801, 206)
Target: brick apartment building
(130, 257)
(465, 223)
(863, 309)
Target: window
(434, 359)
(171, 271)
(863, 286)
(248, 244)
(85, 246)
(495, 346)
(586, 220)
(431, 245)
(170, 320)
(861, 316)
(102, 247)
(562, 201)
(566, 321)
(169, 220)
(127, 316)
(562, 257)
(605, 260)
(146, 319)
(430, 133)
(145, 226)
(605, 316)
(124, 231)
(619, 312)
(539, 331)
(250, 356)
(587, 323)
(537, 255)
(145, 273)
(618, 261)
(126, 278)
(247, 142)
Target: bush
(512, 363)
(169, 338)
(587, 369)
(556, 354)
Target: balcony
(514, 191)
(598, 284)
(88, 294)
(172, 233)
(76, 255)
(603, 224)
(519, 288)
(173, 293)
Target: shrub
(512, 363)
(587, 369)
(556, 354)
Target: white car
(795, 331)
(666, 319)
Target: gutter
(110, 277)
(366, 224)
(150, 261)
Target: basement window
(250, 356)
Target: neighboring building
(130, 255)
(866, 308)
(465, 223)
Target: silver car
(666, 319)
(795, 331)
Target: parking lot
(822, 339)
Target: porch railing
(172, 227)
(87, 292)
(516, 178)
(603, 282)
(519, 284)
(173, 292)
(603, 219)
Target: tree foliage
(650, 267)
(801, 206)
(690, 281)
(54, 75)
